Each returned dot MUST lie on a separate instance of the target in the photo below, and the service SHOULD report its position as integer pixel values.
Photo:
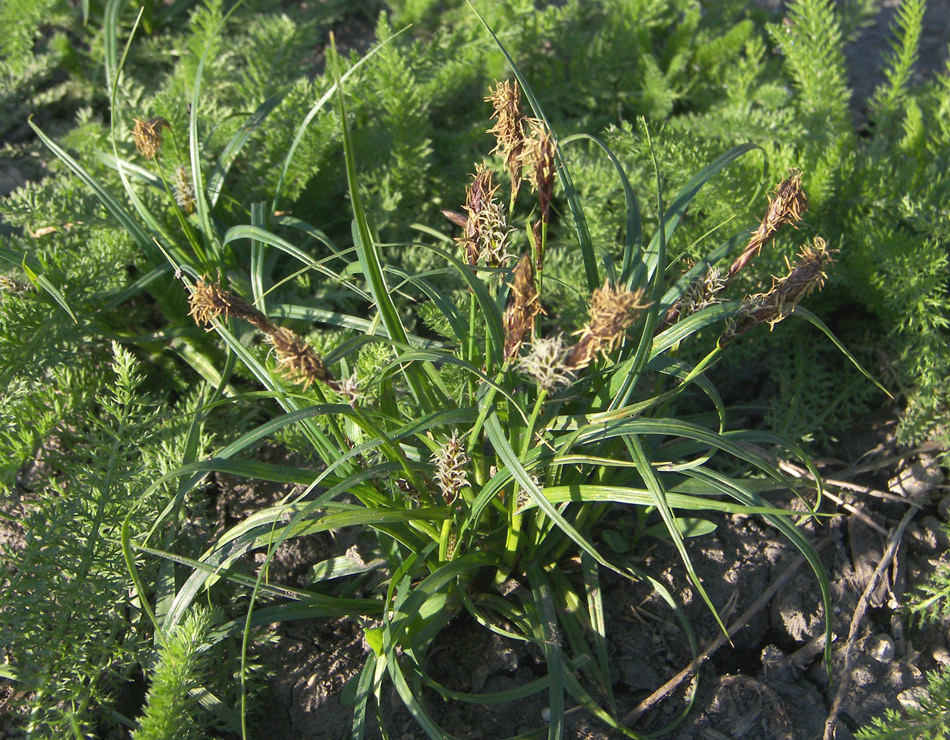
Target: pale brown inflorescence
(537, 157)
(296, 358)
(612, 311)
(808, 274)
(508, 128)
(148, 136)
(786, 207)
(523, 307)
(182, 190)
(450, 461)
(486, 230)
(546, 363)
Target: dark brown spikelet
(208, 302)
(538, 159)
(612, 311)
(298, 360)
(508, 128)
(807, 275)
(523, 306)
(787, 206)
(478, 197)
(148, 136)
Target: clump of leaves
(476, 483)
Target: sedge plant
(486, 461)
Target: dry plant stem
(798, 472)
(887, 462)
(743, 619)
(857, 618)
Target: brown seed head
(486, 229)
(148, 136)
(298, 360)
(786, 207)
(523, 306)
(808, 274)
(508, 128)
(208, 302)
(538, 159)
(611, 312)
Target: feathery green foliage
(66, 625)
(925, 718)
(171, 704)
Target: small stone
(546, 714)
(913, 698)
(882, 648)
(941, 655)
(918, 478)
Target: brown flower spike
(612, 311)
(486, 230)
(450, 461)
(208, 302)
(299, 360)
(523, 306)
(538, 159)
(786, 207)
(807, 275)
(148, 136)
(508, 129)
(294, 355)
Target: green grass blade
(110, 24)
(258, 219)
(142, 239)
(256, 233)
(669, 519)
(598, 625)
(42, 282)
(317, 107)
(815, 321)
(681, 201)
(550, 645)
(507, 455)
(368, 251)
(632, 243)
